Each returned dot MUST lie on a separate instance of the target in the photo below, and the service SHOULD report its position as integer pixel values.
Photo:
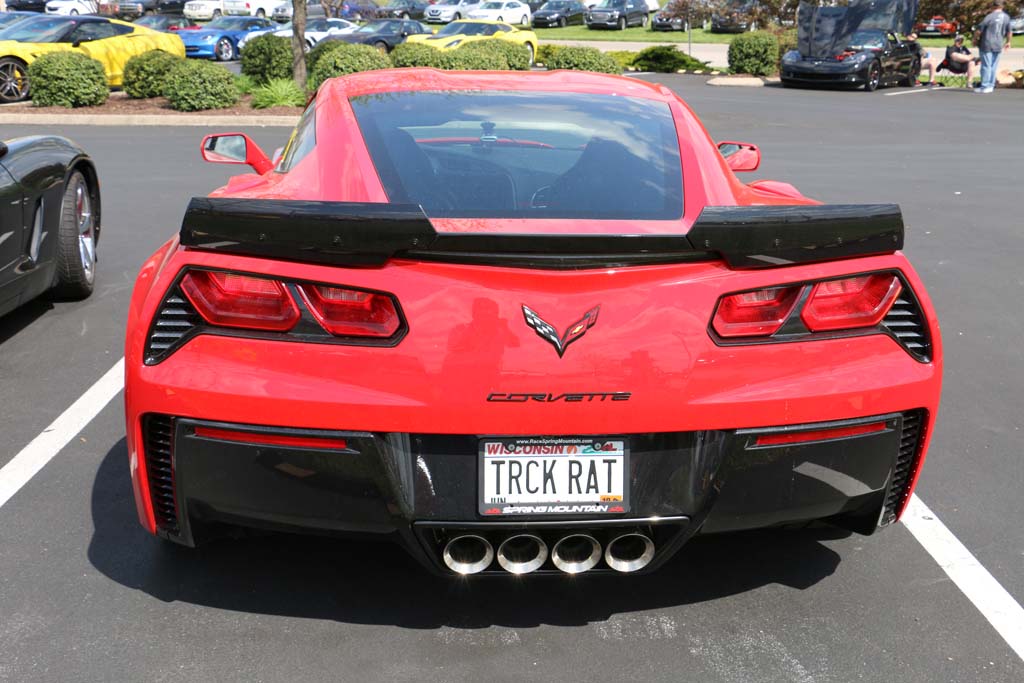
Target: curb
(146, 120)
(738, 81)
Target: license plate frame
(591, 449)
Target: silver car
(450, 10)
(283, 12)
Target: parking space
(85, 594)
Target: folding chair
(958, 78)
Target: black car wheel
(260, 13)
(622, 24)
(643, 21)
(874, 77)
(73, 13)
(562, 23)
(501, 19)
(224, 50)
(529, 51)
(381, 46)
(914, 73)
(76, 240)
(14, 86)
(457, 16)
(405, 15)
(525, 21)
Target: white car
(250, 8)
(71, 7)
(450, 10)
(510, 11)
(200, 10)
(316, 30)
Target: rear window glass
(525, 154)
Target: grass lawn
(632, 35)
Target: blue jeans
(989, 60)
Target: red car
(937, 26)
(522, 322)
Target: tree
(299, 42)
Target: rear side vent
(906, 323)
(906, 464)
(174, 324)
(158, 436)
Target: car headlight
(859, 58)
(209, 39)
(554, 16)
(791, 57)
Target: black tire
(224, 51)
(14, 84)
(77, 238)
(457, 17)
(500, 19)
(405, 15)
(530, 50)
(216, 13)
(524, 21)
(643, 21)
(73, 13)
(261, 13)
(621, 25)
(562, 23)
(873, 77)
(381, 46)
(914, 73)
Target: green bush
(517, 56)
(666, 59)
(787, 42)
(546, 51)
(346, 59)
(194, 85)
(267, 57)
(470, 60)
(754, 53)
(245, 84)
(67, 79)
(280, 92)
(417, 54)
(583, 59)
(623, 57)
(318, 51)
(145, 74)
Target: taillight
(232, 300)
(861, 301)
(352, 312)
(755, 314)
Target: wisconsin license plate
(553, 475)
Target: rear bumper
(419, 489)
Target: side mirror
(235, 148)
(740, 156)
(77, 43)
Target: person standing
(992, 37)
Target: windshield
(380, 27)
(862, 40)
(473, 154)
(10, 18)
(39, 30)
(492, 5)
(152, 21)
(464, 28)
(608, 4)
(554, 6)
(229, 23)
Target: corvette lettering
(585, 397)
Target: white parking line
(49, 443)
(992, 600)
(908, 92)
(981, 588)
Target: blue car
(219, 39)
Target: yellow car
(459, 33)
(108, 41)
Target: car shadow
(23, 316)
(378, 583)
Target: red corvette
(522, 323)
(937, 26)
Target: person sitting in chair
(958, 60)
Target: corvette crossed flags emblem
(547, 332)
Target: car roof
(416, 79)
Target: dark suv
(617, 14)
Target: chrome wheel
(13, 80)
(224, 50)
(86, 230)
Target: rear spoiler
(362, 234)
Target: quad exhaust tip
(629, 552)
(576, 553)
(522, 553)
(468, 554)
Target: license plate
(553, 475)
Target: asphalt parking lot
(85, 594)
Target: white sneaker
(985, 91)
(979, 90)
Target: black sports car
(383, 34)
(49, 220)
(853, 46)
(559, 13)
